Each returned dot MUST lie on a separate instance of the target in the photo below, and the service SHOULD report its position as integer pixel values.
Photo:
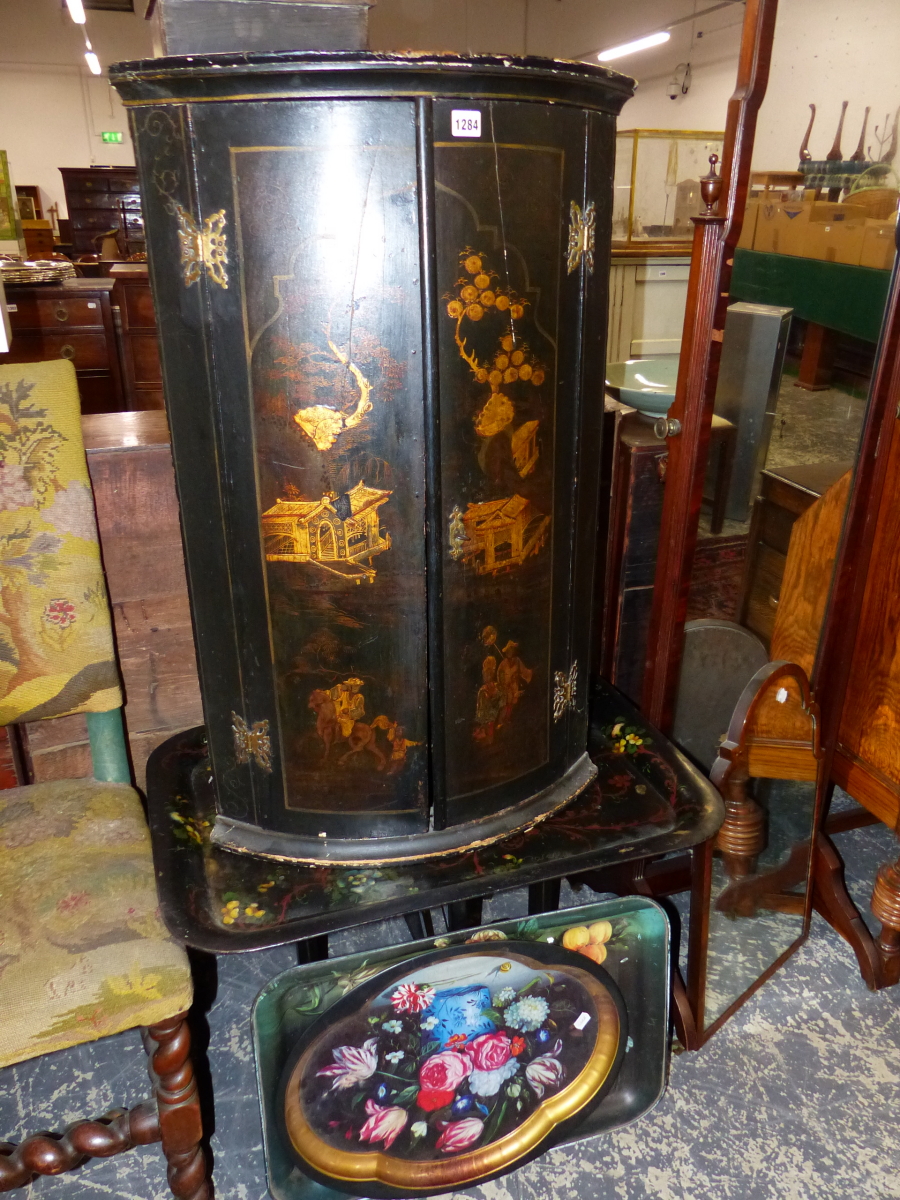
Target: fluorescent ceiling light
(76, 11)
(93, 62)
(644, 43)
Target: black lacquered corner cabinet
(381, 288)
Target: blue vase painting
(460, 1014)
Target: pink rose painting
(447, 1062)
(439, 1077)
(492, 1063)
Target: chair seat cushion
(83, 951)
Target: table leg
(886, 907)
(419, 924)
(464, 914)
(543, 897)
(727, 441)
(313, 949)
(817, 357)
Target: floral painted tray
(439, 1107)
(451, 1069)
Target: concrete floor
(796, 1099)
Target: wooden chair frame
(171, 1115)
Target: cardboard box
(748, 228)
(834, 233)
(878, 245)
(780, 227)
(840, 242)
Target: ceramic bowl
(647, 384)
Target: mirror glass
(757, 902)
(808, 288)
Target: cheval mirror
(748, 487)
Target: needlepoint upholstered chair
(83, 952)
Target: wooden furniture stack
(100, 199)
(137, 327)
(785, 494)
(71, 320)
(38, 236)
(638, 479)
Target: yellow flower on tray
(230, 912)
(253, 910)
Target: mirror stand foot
(832, 901)
(886, 907)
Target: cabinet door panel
(508, 330)
(317, 347)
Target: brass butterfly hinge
(458, 536)
(252, 741)
(582, 230)
(206, 247)
(564, 688)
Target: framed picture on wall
(8, 231)
(29, 198)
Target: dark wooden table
(648, 800)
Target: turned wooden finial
(711, 186)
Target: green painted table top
(637, 959)
(848, 299)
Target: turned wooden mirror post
(690, 420)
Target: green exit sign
(111, 135)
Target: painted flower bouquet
(450, 1060)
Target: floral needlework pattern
(84, 950)
(56, 653)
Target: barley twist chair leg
(168, 1047)
(54, 1154)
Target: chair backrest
(57, 655)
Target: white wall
(52, 110)
(702, 108)
(552, 28)
(827, 51)
(63, 111)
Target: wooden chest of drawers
(100, 199)
(785, 493)
(73, 320)
(140, 348)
